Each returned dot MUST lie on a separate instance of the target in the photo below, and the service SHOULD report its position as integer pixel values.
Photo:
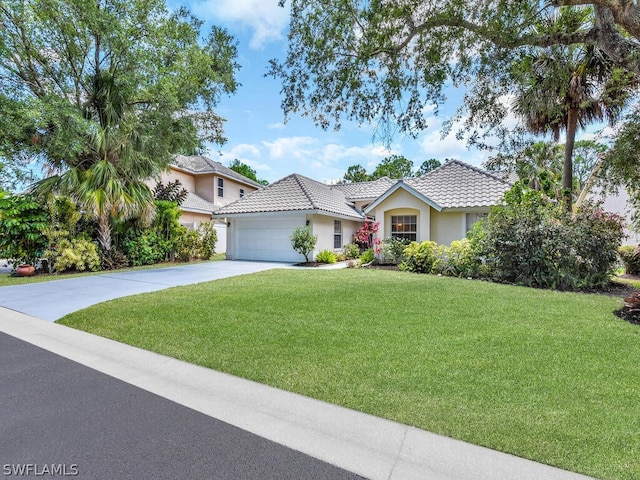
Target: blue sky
(255, 125)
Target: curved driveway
(57, 298)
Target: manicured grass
(550, 376)
(8, 279)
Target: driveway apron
(57, 298)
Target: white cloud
(276, 126)
(265, 18)
(307, 155)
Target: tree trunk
(104, 232)
(567, 169)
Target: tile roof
(198, 164)
(293, 193)
(457, 184)
(366, 190)
(194, 202)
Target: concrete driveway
(57, 298)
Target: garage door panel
(267, 239)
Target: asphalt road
(59, 416)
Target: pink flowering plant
(365, 237)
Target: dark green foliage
(113, 259)
(427, 166)
(146, 248)
(153, 244)
(171, 192)
(356, 173)
(22, 225)
(393, 249)
(532, 241)
(630, 258)
(394, 166)
(246, 170)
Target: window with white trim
(473, 218)
(221, 187)
(337, 234)
(404, 226)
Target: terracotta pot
(25, 270)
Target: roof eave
(407, 188)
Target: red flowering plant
(365, 239)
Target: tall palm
(564, 88)
(107, 177)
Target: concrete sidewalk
(368, 446)
(54, 299)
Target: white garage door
(267, 239)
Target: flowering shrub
(364, 237)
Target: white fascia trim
(288, 213)
(408, 189)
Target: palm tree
(563, 88)
(107, 177)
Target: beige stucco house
(440, 206)
(210, 185)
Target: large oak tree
(102, 92)
(382, 60)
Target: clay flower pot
(25, 270)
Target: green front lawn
(554, 377)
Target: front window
(221, 187)
(404, 226)
(337, 234)
(473, 218)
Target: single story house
(209, 185)
(440, 206)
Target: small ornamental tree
(364, 237)
(303, 241)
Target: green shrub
(77, 254)
(326, 256)
(187, 246)
(419, 257)
(393, 249)
(531, 241)
(457, 260)
(303, 241)
(630, 258)
(208, 239)
(197, 244)
(367, 256)
(146, 249)
(22, 223)
(351, 251)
